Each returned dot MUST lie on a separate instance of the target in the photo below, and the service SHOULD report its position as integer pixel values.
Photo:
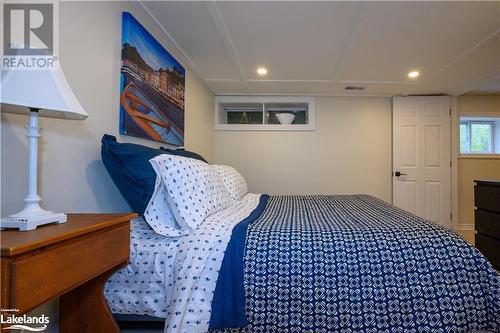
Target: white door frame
(455, 147)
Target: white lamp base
(32, 215)
(31, 223)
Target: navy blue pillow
(129, 167)
(184, 153)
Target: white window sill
(479, 156)
(263, 127)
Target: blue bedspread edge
(228, 303)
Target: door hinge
(449, 111)
(451, 216)
(450, 164)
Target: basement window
(264, 113)
(479, 135)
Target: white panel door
(422, 156)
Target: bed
(208, 255)
(309, 264)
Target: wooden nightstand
(71, 260)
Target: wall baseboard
(468, 226)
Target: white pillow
(195, 190)
(158, 213)
(233, 180)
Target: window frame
(468, 124)
(220, 120)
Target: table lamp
(37, 93)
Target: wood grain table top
(14, 242)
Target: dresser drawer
(56, 270)
(487, 196)
(490, 248)
(487, 223)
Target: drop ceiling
(319, 48)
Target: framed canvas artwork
(152, 87)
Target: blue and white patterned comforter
(355, 264)
(309, 264)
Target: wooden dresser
(72, 261)
(487, 219)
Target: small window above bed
(479, 135)
(264, 113)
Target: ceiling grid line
(379, 82)
(348, 46)
(308, 94)
(464, 55)
(222, 80)
(221, 28)
(315, 81)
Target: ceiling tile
(191, 25)
(396, 37)
(465, 74)
(294, 40)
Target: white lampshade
(46, 90)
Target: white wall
(72, 176)
(350, 151)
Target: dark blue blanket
(351, 264)
(228, 304)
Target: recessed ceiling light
(261, 71)
(413, 74)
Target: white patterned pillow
(195, 190)
(158, 213)
(233, 180)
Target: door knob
(397, 174)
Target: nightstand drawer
(487, 196)
(56, 270)
(490, 248)
(487, 223)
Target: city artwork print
(152, 87)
